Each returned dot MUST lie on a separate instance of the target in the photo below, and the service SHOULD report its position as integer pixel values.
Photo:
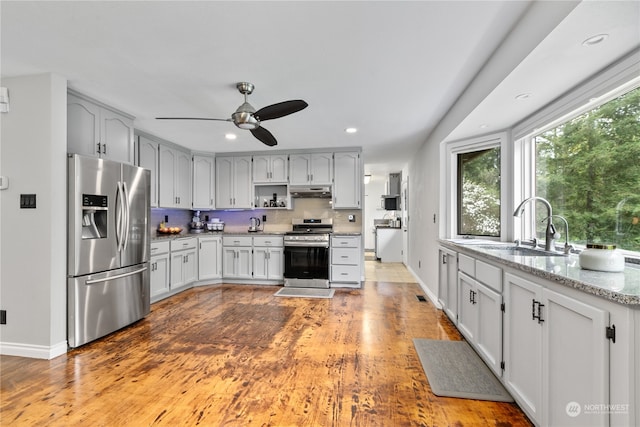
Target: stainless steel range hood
(309, 191)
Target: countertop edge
(620, 298)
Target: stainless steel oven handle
(306, 244)
(117, 276)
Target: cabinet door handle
(444, 259)
(104, 148)
(536, 311)
(540, 319)
(99, 148)
(344, 256)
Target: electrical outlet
(419, 264)
(352, 218)
(264, 218)
(3, 317)
(166, 218)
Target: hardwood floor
(236, 355)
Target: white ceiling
(392, 69)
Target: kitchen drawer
(237, 240)
(160, 247)
(489, 275)
(345, 273)
(271, 241)
(182, 244)
(467, 265)
(345, 241)
(345, 256)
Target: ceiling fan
(246, 117)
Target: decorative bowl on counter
(601, 258)
(169, 230)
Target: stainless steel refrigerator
(108, 247)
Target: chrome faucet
(567, 247)
(550, 234)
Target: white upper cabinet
(95, 130)
(203, 182)
(316, 169)
(175, 178)
(348, 180)
(270, 168)
(148, 159)
(233, 183)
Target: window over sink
(588, 168)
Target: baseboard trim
(432, 297)
(33, 351)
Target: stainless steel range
(306, 253)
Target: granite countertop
(185, 234)
(623, 287)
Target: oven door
(306, 262)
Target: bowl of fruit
(169, 230)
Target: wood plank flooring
(235, 355)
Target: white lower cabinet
(448, 283)
(556, 355)
(346, 265)
(209, 257)
(480, 319)
(184, 258)
(268, 258)
(159, 265)
(237, 257)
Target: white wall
(424, 187)
(33, 259)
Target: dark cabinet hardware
(611, 333)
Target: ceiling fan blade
(192, 118)
(264, 135)
(280, 109)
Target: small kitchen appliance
(196, 226)
(254, 223)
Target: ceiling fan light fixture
(245, 120)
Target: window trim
(616, 80)
(449, 185)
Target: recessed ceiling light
(351, 130)
(230, 136)
(523, 96)
(594, 40)
(483, 126)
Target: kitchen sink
(519, 250)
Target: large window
(479, 193)
(588, 168)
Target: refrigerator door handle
(119, 216)
(117, 276)
(127, 219)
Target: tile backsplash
(278, 220)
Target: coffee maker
(254, 223)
